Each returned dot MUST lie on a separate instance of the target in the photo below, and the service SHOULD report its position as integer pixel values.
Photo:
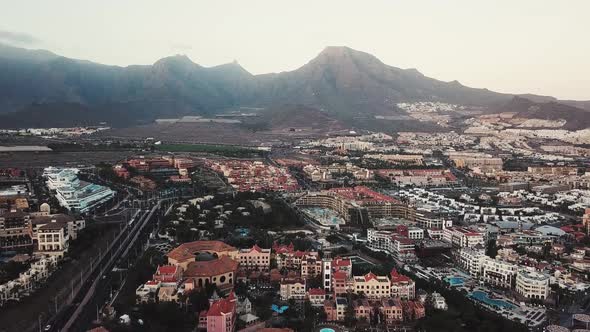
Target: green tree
(492, 248)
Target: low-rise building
(402, 286)
(438, 301)
(392, 310)
(335, 309)
(292, 288)
(221, 315)
(372, 286)
(316, 296)
(254, 258)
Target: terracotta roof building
(186, 252)
(220, 272)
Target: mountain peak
(233, 66)
(177, 60)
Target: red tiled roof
(167, 269)
(370, 276)
(316, 291)
(339, 275)
(189, 249)
(221, 307)
(340, 262)
(397, 277)
(211, 268)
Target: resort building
(418, 177)
(311, 267)
(362, 309)
(15, 231)
(498, 273)
(372, 286)
(254, 258)
(186, 252)
(74, 194)
(220, 272)
(392, 310)
(321, 173)
(470, 260)
(221, 316)
(462, 237)
(287, 257)
(292, 288)
(532, 285)
(316, 296)
(402, 286)
(53, 239)
(355, 205)
(335, 309)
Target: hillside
(575, 118)
(345, 84)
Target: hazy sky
(515, 46)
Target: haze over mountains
(42, 89)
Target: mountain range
(42, 89)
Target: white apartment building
(53, 239)
(379, 240)
(58, 177)
(532, 285)
(498, 273)
(29, 280)
(462, 237)
(415, 233)
(471, 260)
(397, 245)
(72, 193)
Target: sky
(512, 46)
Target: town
(353, 232)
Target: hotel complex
(74, 194)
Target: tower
(327, 272)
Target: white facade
(532, 285)
(498, 273)
(462, 237)
(53, 239)
(415, 233)
(471, 260)
(379, 240)
(57, 177)
(74, 194)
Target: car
(47, 328)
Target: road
(75, 316)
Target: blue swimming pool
(455, 281)
(327, 329)
(483, 297)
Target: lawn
(226, 150)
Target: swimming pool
(327, 329)
(483, 297)
(455, 281)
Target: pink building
(221, 316)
